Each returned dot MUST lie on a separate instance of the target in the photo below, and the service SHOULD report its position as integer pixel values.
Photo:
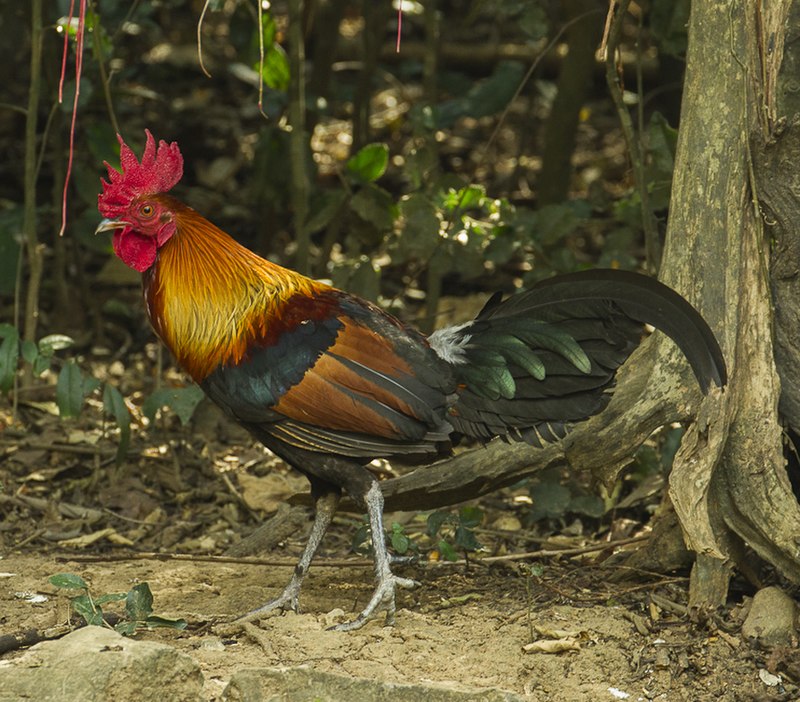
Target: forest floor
(468, 625)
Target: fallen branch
(343, 562)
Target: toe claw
(382, 598)
(285, 602)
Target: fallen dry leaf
(552, 646)
(94, 537)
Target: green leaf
(470, 516)
(154, 621)
(182, 401)
(436, 520)
(360, 276)
(374, 205)
(9, 356)
(330, 204)
(550, 499)
(275, 67)
(447, 551)
(139, 602)
(590, 505)
(68, 581)
(114, 404)
(275, 70)
(360, 538)
(29, 351)
(555, 222)
(464, 539)
(89, 385)
(369, 163)
(535, 570)
(69, 390)
(126, 628)
(110, 597)
(485, 97)
(467, 198)
(83, 606)
(41, 363)
(55, 342)
(400, 542)
(421, 225)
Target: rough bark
(733, 482)
(776, 155)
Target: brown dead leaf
(552, 646)
(87, 540)
(268, 492)
(549, 633)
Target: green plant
(74, 386)
(455, 532)
(181, 400)
(39, 355)
(553, 497)
(401, 542)
(138, 606)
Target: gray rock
(771, 620)
(94, 664)
(303, 683)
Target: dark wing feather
(355, 383)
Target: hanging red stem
(78, 69)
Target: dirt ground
(465, 627)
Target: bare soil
(466, 627)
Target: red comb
(158, 172)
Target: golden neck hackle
(209, 298)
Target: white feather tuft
(450, 343)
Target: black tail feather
(642, 298)
(579, 328)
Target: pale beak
(108, 225)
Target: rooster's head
(132, 201)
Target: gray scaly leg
(325, 508)
(384, 595)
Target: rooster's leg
(325, 507)
(384, 595)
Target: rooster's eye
(147, 210)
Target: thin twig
(652, 247)
(549, 553)
(550, 45)
(200, 37)
(200, 558)
(79, 38)
(261, 60)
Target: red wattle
(135, 250)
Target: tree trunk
(574, 79)
(730, 483)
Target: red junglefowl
(328, 381)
